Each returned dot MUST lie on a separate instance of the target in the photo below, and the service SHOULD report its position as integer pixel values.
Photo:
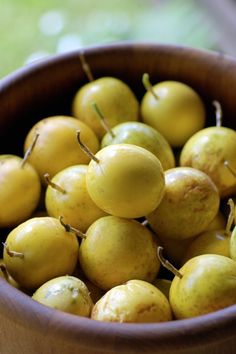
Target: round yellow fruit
(113, 97)
(177, 112)
(190, 203)
(126, 180)
(40, 249)
(65, 293)
(135, 301)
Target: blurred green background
(33, 29)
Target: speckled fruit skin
(48, 249)
(177, 114)
(190, 203)
(114, 98)
(75, 205)
(134, 301)
(127, 181)
(57, 146)
(143, 135)
(207, 150)
(116, 250)
(65, 293)
(208, 284)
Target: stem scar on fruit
(12, 253)
(166, 263)
(148, 86)
(52, 184)
(85, 66)
(103, 120)
(29, 150)
(72, 229)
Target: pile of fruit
(124, 210)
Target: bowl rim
(214, 327)
(19, 307)
(51, 59)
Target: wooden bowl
(46, 88)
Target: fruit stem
(231, 215)
(144, 222)
(4, 271)
(52, 184)
(103, 119)
(148, 86)
(86, 149)
(167, 264)
(12, 253)
(218, 113)
(70, 228)
(29, 150)
(226, 163)
(86, 68)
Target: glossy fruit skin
(143, 135)
(136, 301)
(190, 203)
(207, 150)
(15, 180)
(57, 146)
(66, 293)
(128, 181)
(209, 242)
(208, 285)
(49, 251)
(114, 98)
(177, 114)
(116, 250)
(75, 205)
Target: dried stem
(167, 264)
(86, 68)
(86, 149)
(12, 253)
(4, 271)
(226, 163)
(218, 112)
(52, 184)
(103, 119)
(145, 222)
(29, 150)
(72, 229)
(231, 215)
(148, 86)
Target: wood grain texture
(47, 88)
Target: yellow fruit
(126, 181)
(40, 249)
(134, 301)
(65, 293)
(115, 99)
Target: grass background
(32, 29)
